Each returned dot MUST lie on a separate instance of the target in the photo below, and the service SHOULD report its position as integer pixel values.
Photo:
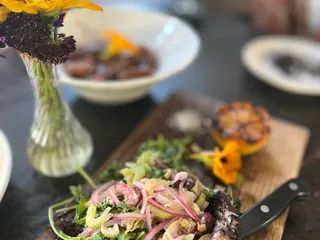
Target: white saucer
(256, 58)
(5, 163)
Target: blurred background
(224, 27)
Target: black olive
(207, 219)
(176, 184)
(190, 183)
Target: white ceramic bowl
(5, 163)
(256, 56)
(175, 44)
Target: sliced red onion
(98, 230)
(180, 176)
(167, 210)
(137, 198)
(162, 199)
(86, 233)
(155, 230)
(130, 215)
(168, 202)
(149, 219)
(144, 201)
(131, 197)
(168, 224)
(98, 195)
(132, 200)
(184, 205)
(158, 191)
(125, 188)
(112, 222)
(112, 195)
(139, 185)
(181, 194)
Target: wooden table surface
(217, 72)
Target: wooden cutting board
(279, 161)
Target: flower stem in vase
(58, 145)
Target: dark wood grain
(217, 72)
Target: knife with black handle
(268, 210)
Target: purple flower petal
(59, 22)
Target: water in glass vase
(58, 145)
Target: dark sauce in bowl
(291, 65)
(87, 64)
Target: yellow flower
(13, 6)
(225, 164)
(63, 5)
(3, 13)
(36, 6)
(118, 43)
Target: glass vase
(58, 145)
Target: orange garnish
(227, 163)
(224, 164)
(118, 43)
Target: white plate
(5, 163)
(256, 58)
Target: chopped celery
(201, 200)
(128, 174)
(110, 232)
(160, 214)
(92, 221)
(147, 157)
(139, 170)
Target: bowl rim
(133, 82)
(7, 164)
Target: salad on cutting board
(155, 197)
